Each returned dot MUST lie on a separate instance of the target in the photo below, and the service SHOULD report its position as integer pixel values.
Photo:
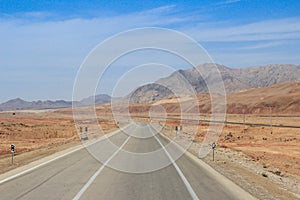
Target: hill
(284, 99)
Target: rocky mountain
(183, 82)
(251, 101)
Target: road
(184, 120)
(80, 176)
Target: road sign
(213, 146)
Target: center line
(91, 180)
(185, 181)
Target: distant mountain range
(234, 80)
(20, 104)
(98, 99)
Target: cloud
(278, 29)
(39, 49)
(240, 59)
(226, 2)
(65, 43)
(159, 10)
(262, 45)
(49, 47)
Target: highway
(184, 120)
(79, 175)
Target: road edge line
(223, 180)
(180, 173)
(77, 148)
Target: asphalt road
(80, 176)
(184, 120)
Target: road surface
(184, 120)
(80, 176)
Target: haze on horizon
(43, 43)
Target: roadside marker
(213, 146)
(12, 149)
(61, 156)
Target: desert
(248, 143)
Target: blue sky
(44, 42)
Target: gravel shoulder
(263, 182)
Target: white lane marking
(56, 158)
(37, 166)
(185, 181)
(91, 180)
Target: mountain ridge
(20, 104)
(183, 81)
(234, 79)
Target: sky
(44, 42)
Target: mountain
(259, 99)
(251, 101)
(183, 82)
(98, 99)
(20, 104)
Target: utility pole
(244, 120)
(271, 126)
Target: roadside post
(213, 146)
(85, 135)
(271, 128)
(244, 120)
(176, 129)
(12, 149)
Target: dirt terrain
(267, 157)
(38, 133)
(270, 172)
(277, 147)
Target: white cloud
(288, 28)
(226, 2)
(61, 45)
(67, 42)
(42, 52)
(262, 45)
(160, 10)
